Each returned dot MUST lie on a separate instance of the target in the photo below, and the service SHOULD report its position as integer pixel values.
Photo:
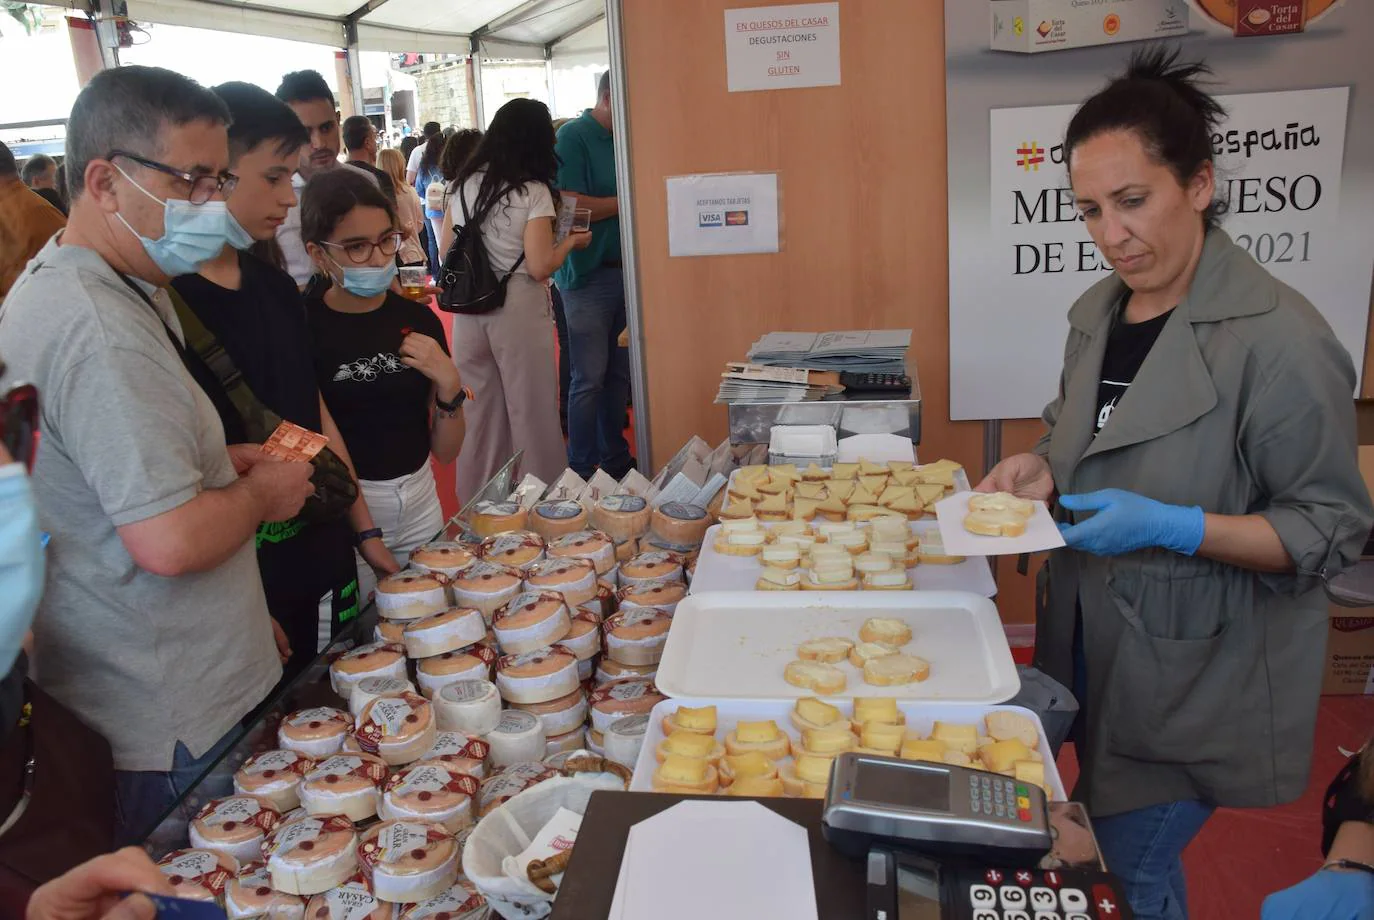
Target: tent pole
(479, 107)
(354, 68)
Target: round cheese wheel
(397, 729)
(352, 900)
(636, 636)
(491, 518)
(665, 595)
(408, 860)
(514, 779)
(198, 875)
(374, 660)
(584, 636)
(519, 736)
(389, 631)
(518, 549)
(538, 676)
(236, 825)
(370, 688)
(472, 707)
(345, 784)
(561, 715)
(609, 671)
(308, 854)
(530, 622)
(592, 545)
(446, 631)
(275, 776)
(474, 663)
(459, 753)
(446, 558)
(654, 566)
(410, 594)
(316, 732)
(621, 517)
(678, 527)
(461, 901)
(623, 739)
(431, 792)
(557, 517)
(250, 894)
(632, 696)
(575, 740)
(575, 579)
(487, 587)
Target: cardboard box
(1349, 653)
(1028, 26)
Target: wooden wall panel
(863, 184)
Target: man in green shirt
(594, 297)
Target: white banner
(1279, 170)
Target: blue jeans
(1144, 848)
(143, 796)
(600, 375)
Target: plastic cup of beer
(414, 280)
(582, 220)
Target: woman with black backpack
(507, 353)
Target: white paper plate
(735, 644)
(920, 717)
(1042, 532)
(717, 572)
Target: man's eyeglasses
(360, 251)
(19, 421)
(203, 187)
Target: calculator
(905, 886)
(875, 383)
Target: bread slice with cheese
(1004, 726)
(841, 488)
(931, 550)
(813, 675)
(995, 523)
(762, 737)
(736, 767)
(814, 473)
(758, 787)
(686, 744)
(1001, 502)
(829, 650)
(737, 509)
(814, 490)
(804, 509)
(773, 508)
(869, 468)
(956, 736)
(864, 652)
(699, 721)
(832, 509)
(842, 471)
(885, 629)
(807, 777)
(689, 775)
(810, 712)
(896, 670)
(879, 709)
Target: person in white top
(313, 102)
(413, 162)
(507, 356)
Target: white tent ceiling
(520, 29)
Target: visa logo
(710, 219)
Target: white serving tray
(920, 717)
(735, 644)
(718, 572)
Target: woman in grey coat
(1202, 446)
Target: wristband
(454, 405)
(363, 536)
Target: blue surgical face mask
(21, 562)
(366, 281)
(192, 234)
(237, 237)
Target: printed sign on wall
(722, 214)
(782, 47)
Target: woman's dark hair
(1162, 101)
(331, 195)
(517, 148)
(260, 117)
(409, 143)
(457, 149)
(434, 150)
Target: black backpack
(467, 283)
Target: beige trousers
(507, 357)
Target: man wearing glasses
(153, 627)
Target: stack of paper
(877, 351)
(754, 384)
(723, 860)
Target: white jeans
(407, 510)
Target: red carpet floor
(1242, 854)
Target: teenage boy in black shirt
(255, 312)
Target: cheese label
(389, 714)
(510, 544)
(476, 575)
(289, 836)
(380, 685)
(409, 580)
(455, 550)
(431, 778)
(515, 721)
(460, 902)
(653, 560)
(638, 617)
(318, 714)
(338, 765)
(538, 656)
(630, 726)
(513, 780)
(350, 901)
(400, 838)
(254, 875)
(467, 691)
(498, 508)
(623, 690)
(529, 601)
(630, 503)
(239, 809)
(274, 762)
(458, 746)
(590, 540)
(558, 510)
(364, 652)
(682, 511)
(190, 864)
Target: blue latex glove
(1126, 522)
(1324, 896)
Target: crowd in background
(219, 262)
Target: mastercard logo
(1112, 24)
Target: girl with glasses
(380, 360)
